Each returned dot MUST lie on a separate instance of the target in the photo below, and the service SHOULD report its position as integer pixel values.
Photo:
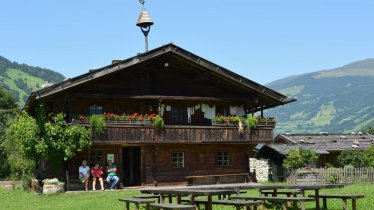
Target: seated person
(84, 174)
(112, 178)
(96, 175)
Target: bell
(144, 19)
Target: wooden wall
(199, 160)
(75, 162)
(156, 160)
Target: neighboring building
(188, 91)
(328, 146)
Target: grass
(325, 114)
(31, 82)
(20, 200)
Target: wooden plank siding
(119, 134)
(156, 161)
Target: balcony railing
(116, 133)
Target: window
(176, 115)
(96, 109)
(96, 156)
(223, 158)
(177, 160)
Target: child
(96, 174)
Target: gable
(168, 71)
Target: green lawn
(19, 199)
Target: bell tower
(144, 22)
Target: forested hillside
(337, 100)
(21, 79)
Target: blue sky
(263, 40)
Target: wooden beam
(161, 97)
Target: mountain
(21, 79)
(337, 100)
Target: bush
(355, 158)
(97, 124)
(297, 158)
(158, 123)
(369, 156)
(251, 122)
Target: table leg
(210, 202)
(275, 193)
(170, 198)
(127, 206)
(192, 200)
(302, 202)
(353, 203)
(345, 204)
(161, 198)
(147, 206)
(294, 204)
(324, 200)
(136, 206)
(316, 194)
(179, 199)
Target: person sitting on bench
(84, 174)
(112, 178)
(96, 174)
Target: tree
(19, 145)
(369, 156)
(353, 158)
(369, 130)
(297, 158)
(28, 140)
(8, 109)
(63, 141)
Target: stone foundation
(260, 167)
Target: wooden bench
(237, 203)
(283, 200)
(173, 206)
(136, 201)
(148, 196)
(344, 197)
(287, 193)
(216, 178)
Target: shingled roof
(323, 143)
(271, 97)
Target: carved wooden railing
(138, 134)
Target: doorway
(131, 166)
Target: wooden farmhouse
(328, 147)
(188, 92)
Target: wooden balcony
(143, 134)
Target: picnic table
(192, 192)
(316, 188)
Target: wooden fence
(345, 176)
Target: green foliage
(8, 110)
(97, 124)
(63, 141)
(369, 130)
(251, 122)
(293, 160)
(354, 158)
(28, 139)
(158, 123)
(18, 144)
(369, 156)
(297, 158)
